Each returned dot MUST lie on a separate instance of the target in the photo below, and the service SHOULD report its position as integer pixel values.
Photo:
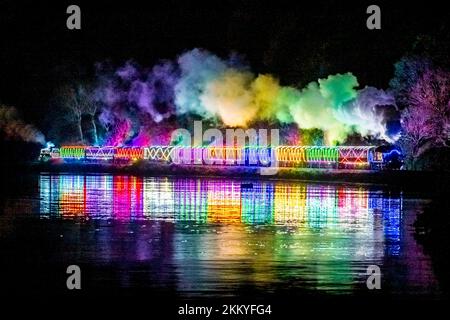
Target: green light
(72, 152)
(323, 154)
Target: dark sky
(297, 43)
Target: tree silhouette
(77, 100)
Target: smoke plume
(15, 128)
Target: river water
(195, 237)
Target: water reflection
(310, 206)
(221, 234)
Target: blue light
(388, 154)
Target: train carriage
(336, 157)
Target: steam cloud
(15, 128)
(203, 85)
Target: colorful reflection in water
(218, 201)
(222, 234)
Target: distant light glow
(49, 145)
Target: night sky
(297, 43)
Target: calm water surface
(204, 236)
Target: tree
(407, 72)
(417, 134)
(426, 120)
(78, 100)
(90, 108)
(432, 92)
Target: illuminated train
(341, 157)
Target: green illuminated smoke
(316, 105)
(212, 88)
(229, 94)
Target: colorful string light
(290, 156)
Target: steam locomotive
(337, 157)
